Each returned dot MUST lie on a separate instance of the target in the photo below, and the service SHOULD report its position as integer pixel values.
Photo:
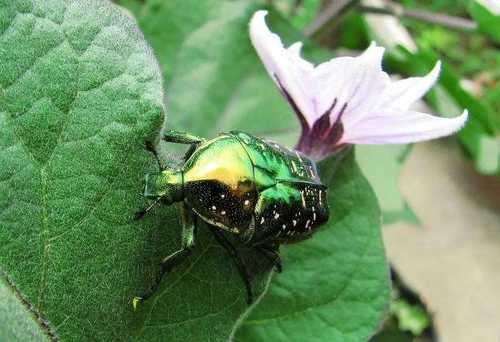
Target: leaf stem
(397, 10)
(332, 10)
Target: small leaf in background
(18, 322)
(410, 317)
(334, 286)
(486, 18)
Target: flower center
(322, 138)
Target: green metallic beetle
(261, 191)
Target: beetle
(240, 184)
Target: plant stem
(332, 10)
(397, 10)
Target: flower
(348, 100)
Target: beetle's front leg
(176, 258)
(183, 138)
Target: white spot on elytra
(283, 226)
(294, 222)
(276, 215)
(247, 202)
(222, 196)
(311, 171)
(223, 212)
(214, 207)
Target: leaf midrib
(42, 167)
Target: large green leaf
(334, 286)
(80, 94)
(216, 83)
(19, 322)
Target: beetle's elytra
(244, 185)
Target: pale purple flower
(348, 100)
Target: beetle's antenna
(140, 214)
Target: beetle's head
(167, 185)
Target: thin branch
(457, 23)
(335, 8)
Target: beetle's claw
(139, 215)
(249, 299)
(136, 301)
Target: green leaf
(411, 318)
(487, 21)
(298, 13)
(334, 286)
(80, 93)
(18, 322)
(221, 85)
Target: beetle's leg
(272, 254)
(176, 258)
(140, 214)
(190, 151)
(150, 147)
(242, 270)
(182, 138)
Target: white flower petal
(402, 94)
(286, 67)
(394, 127)
(374, 109)
(355, 81)
(294, 54)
